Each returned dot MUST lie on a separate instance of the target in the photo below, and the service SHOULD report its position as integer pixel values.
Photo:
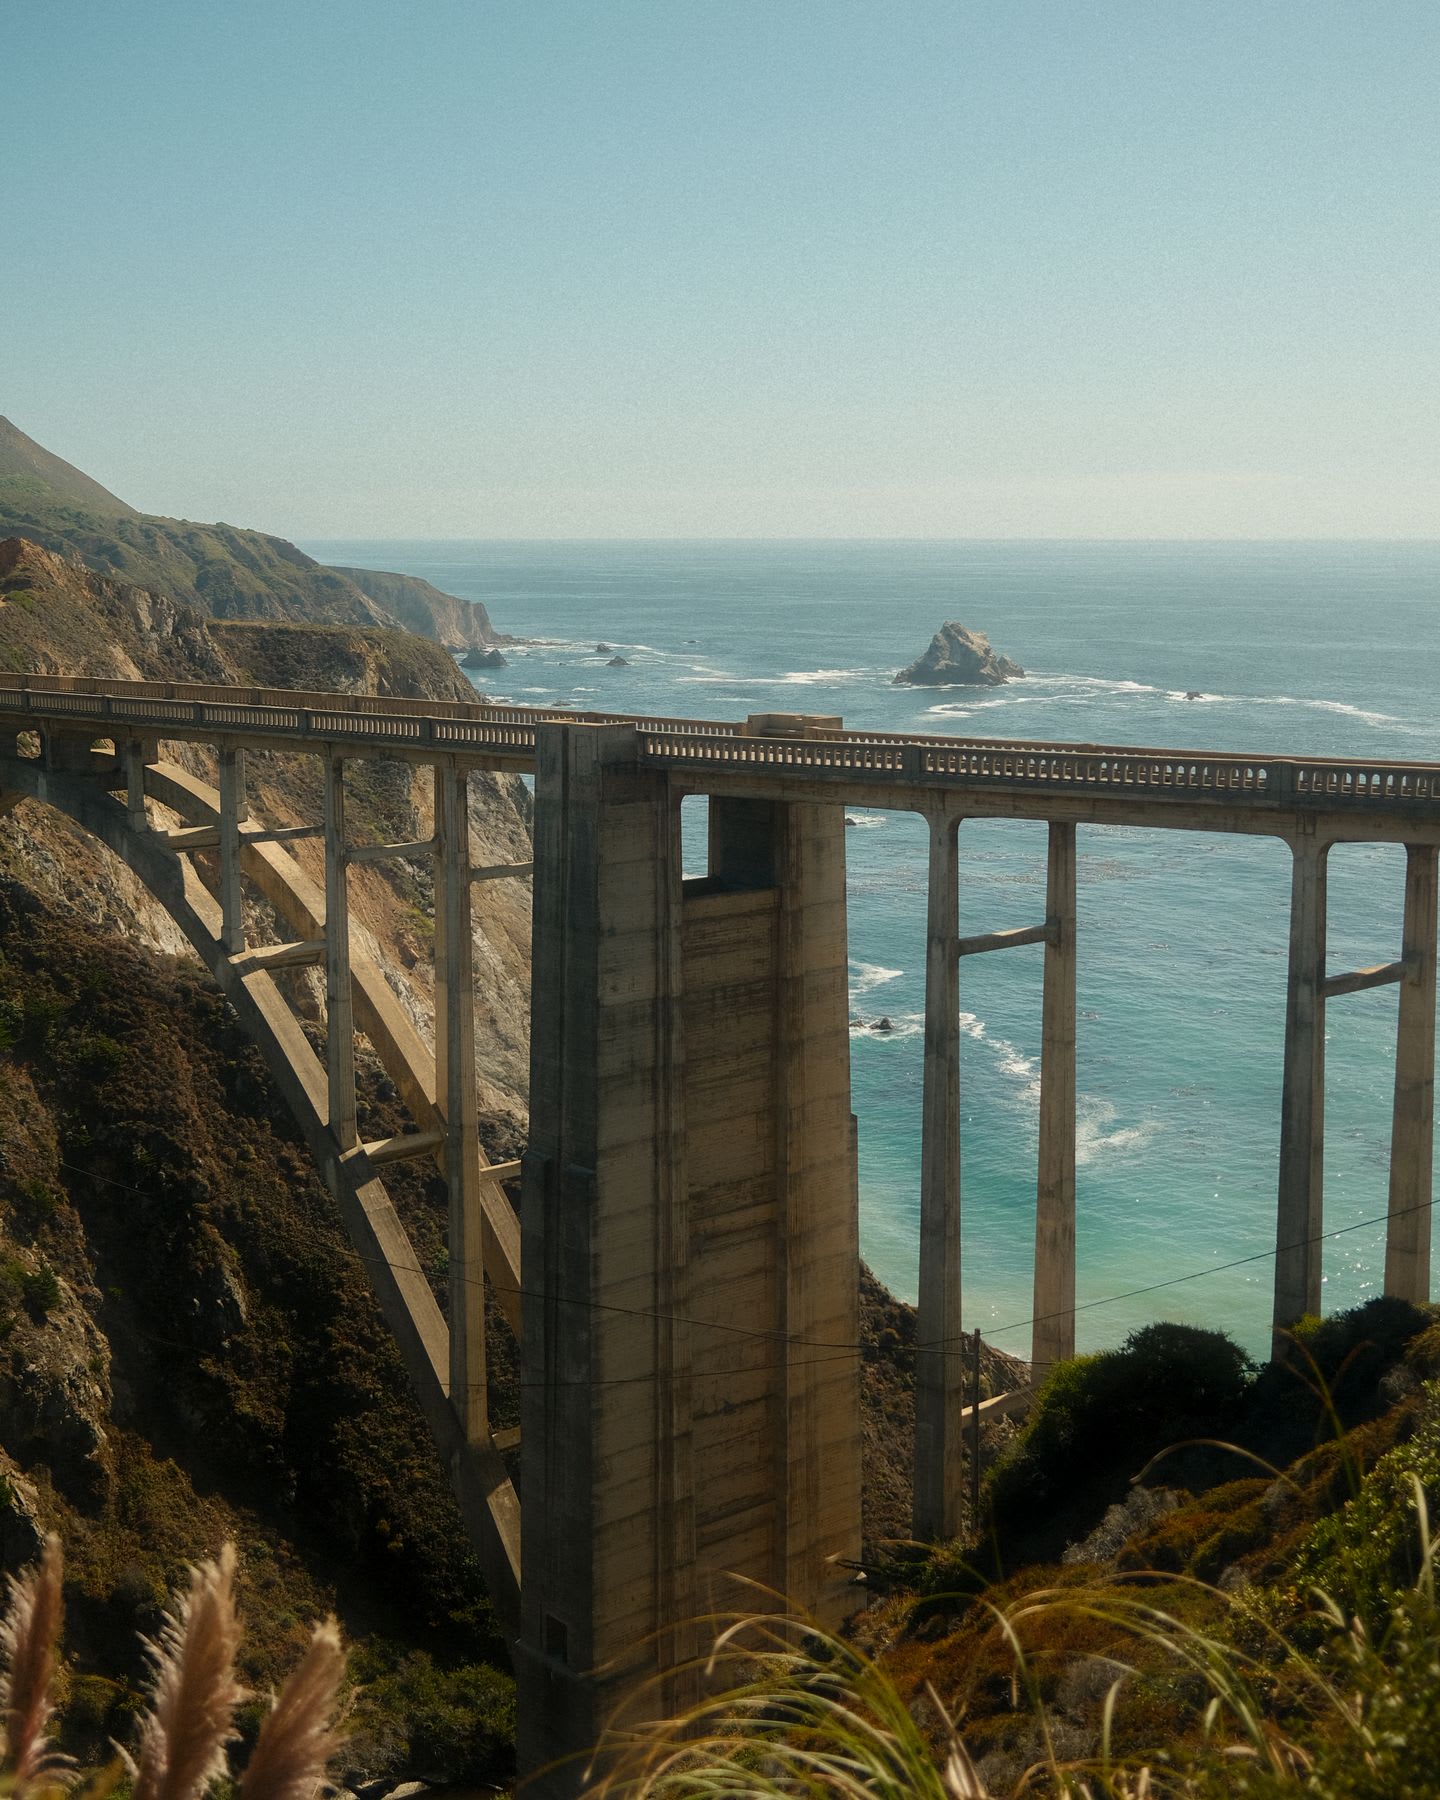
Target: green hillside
(30, 476)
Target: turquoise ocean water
(1306, 648)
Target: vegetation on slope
(189, 1351)
(1269, 1636)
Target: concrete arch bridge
(682, 1267)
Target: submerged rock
(617, 662)
(958, 657)
(602, 649)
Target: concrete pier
(689, 1234)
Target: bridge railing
(825, 753)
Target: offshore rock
(483, 659)
(958, 657)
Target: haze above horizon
(837, 268)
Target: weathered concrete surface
(690, 1235)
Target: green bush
(41, 1288)
(455, 1724)
(1099, 1419)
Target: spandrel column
(1053, 1333)
(1407, 1238)
(455, 1096)
(940, 1368)
(1300, 1212)
(234, 808)
(339, 1012)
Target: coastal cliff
(220, 571)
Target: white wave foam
(793, 678)
(1094, 683)
(1342, 707)
(867, 821)
(1096, 1133)
(865, 977)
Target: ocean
(1304, 648)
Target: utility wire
(928, 1347)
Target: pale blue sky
(731, 267)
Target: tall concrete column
(608, 1544)
(1407, 1238)
(1053, 1333)
(455, 1096)
(689, 1237)
(1301, 1212)
(340, 1021)
(940, 1371)
(233, 809)
(819, 1218)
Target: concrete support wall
(1407, 1240)
(689, 1236)
(1301, 1211)
(940, 1371)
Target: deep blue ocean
(1305, 648)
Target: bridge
(682, 1268)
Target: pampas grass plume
(298, 1737)
(28, 1635)
(191, 1719)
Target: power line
(929, 1347)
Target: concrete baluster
(340, 1027)
(1301, 1210)
(940, 1370)
(455, 1096)
(1407, 1238)
(1053, 1332)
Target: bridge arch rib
(160, 861)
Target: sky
(731, 268)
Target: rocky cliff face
(457, 624)
(958, 657)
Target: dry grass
(794, 1710)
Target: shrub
(456, 1724)
(1099, 1419)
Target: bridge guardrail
(827, 753)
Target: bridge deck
(885, 768)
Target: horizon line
(316, 537)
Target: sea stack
(483, 659)
(958, 657)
